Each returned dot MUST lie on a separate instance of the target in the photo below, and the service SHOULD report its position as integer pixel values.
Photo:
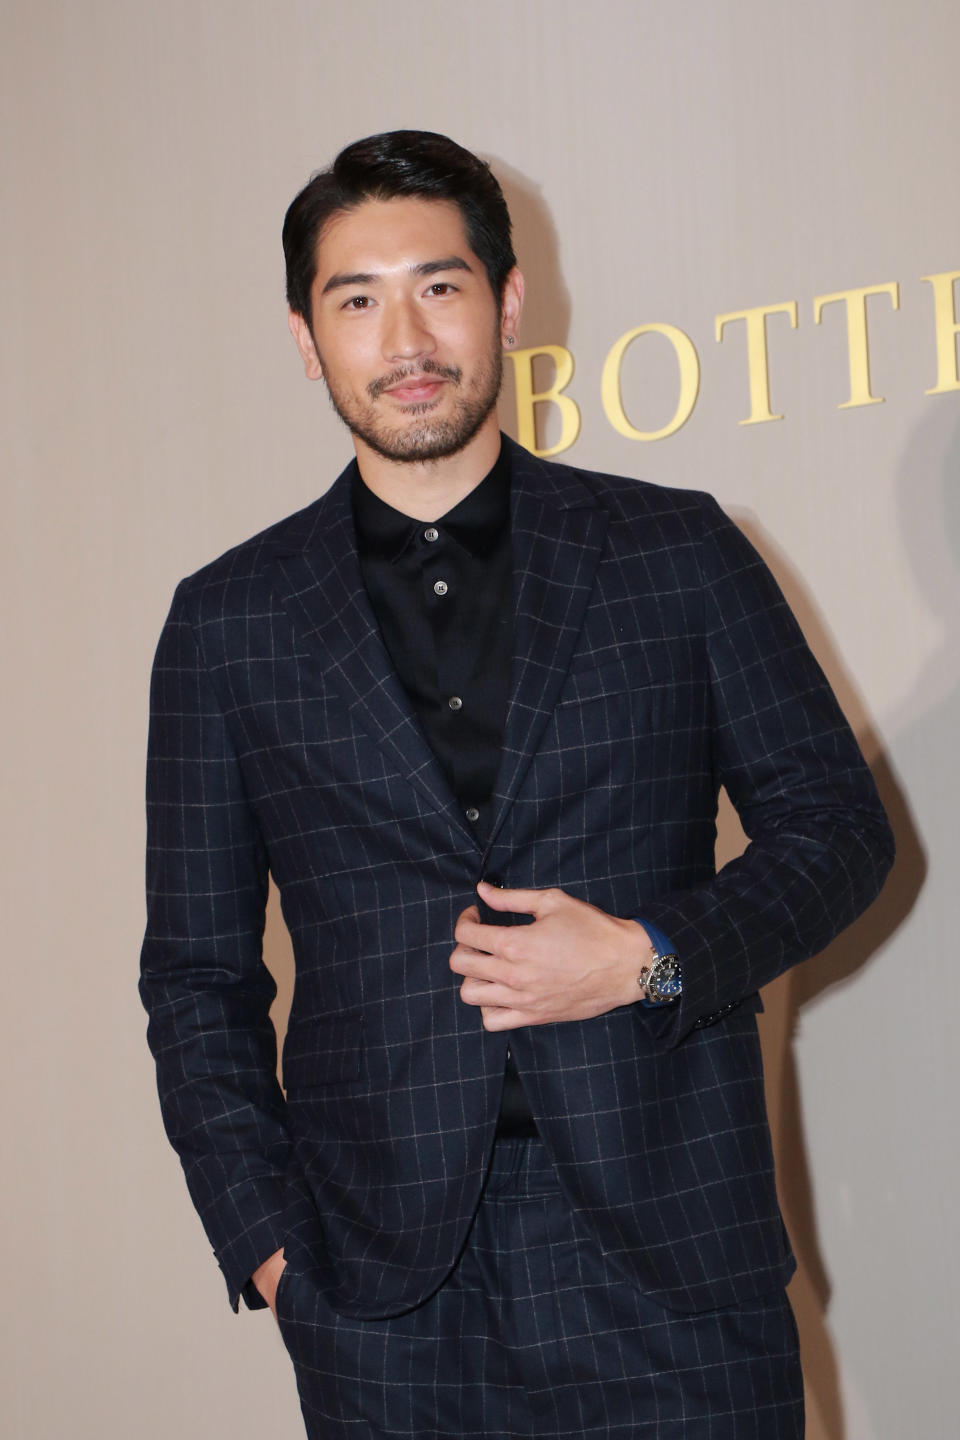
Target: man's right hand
(266, 1277)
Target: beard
(424, 438)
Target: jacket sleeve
(819, 842)
(203, 980)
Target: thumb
(520, 902)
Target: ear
(300, 331)
(511, 305)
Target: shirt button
(431, 533)
(440, 587)
(473, 813)
(455, 702)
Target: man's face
(406, 329)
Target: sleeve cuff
(256, 1244)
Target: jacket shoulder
(683, 511)
(629, 498)
(248, 557)
(621, 495)
(241, 569)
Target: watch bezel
(663, 980)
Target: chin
(420, 442)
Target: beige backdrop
(667, 162)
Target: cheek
(469, 333)
(350, 359)
(346, 374)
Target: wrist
(636, 953)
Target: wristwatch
(662, 981)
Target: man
(472, 712)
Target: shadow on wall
(810, 1289)
(546, 306)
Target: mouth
(407, 386)
(415, 390)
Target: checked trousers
(534, 1334)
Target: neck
(427, 489)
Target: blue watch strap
(658, 940)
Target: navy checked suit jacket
(655, 660)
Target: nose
(406, 334)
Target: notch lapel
(558, 536)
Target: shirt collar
(475, 522)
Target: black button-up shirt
(441, 593)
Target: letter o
(689, 363)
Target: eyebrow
(427, 267)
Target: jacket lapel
(558, 536)
(317, 576)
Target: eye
(441, 287)
(357, 302)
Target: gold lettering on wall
(758, 367)
(611, 394)
(945, 318)
(528, 398)
(858, 354)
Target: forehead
(378, 236)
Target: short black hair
(384, 167)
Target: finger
(500, 1017)
(485, 992)
(521, 902)
(471, 913)
(477, 936)
(478, 966)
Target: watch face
(665, 982)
